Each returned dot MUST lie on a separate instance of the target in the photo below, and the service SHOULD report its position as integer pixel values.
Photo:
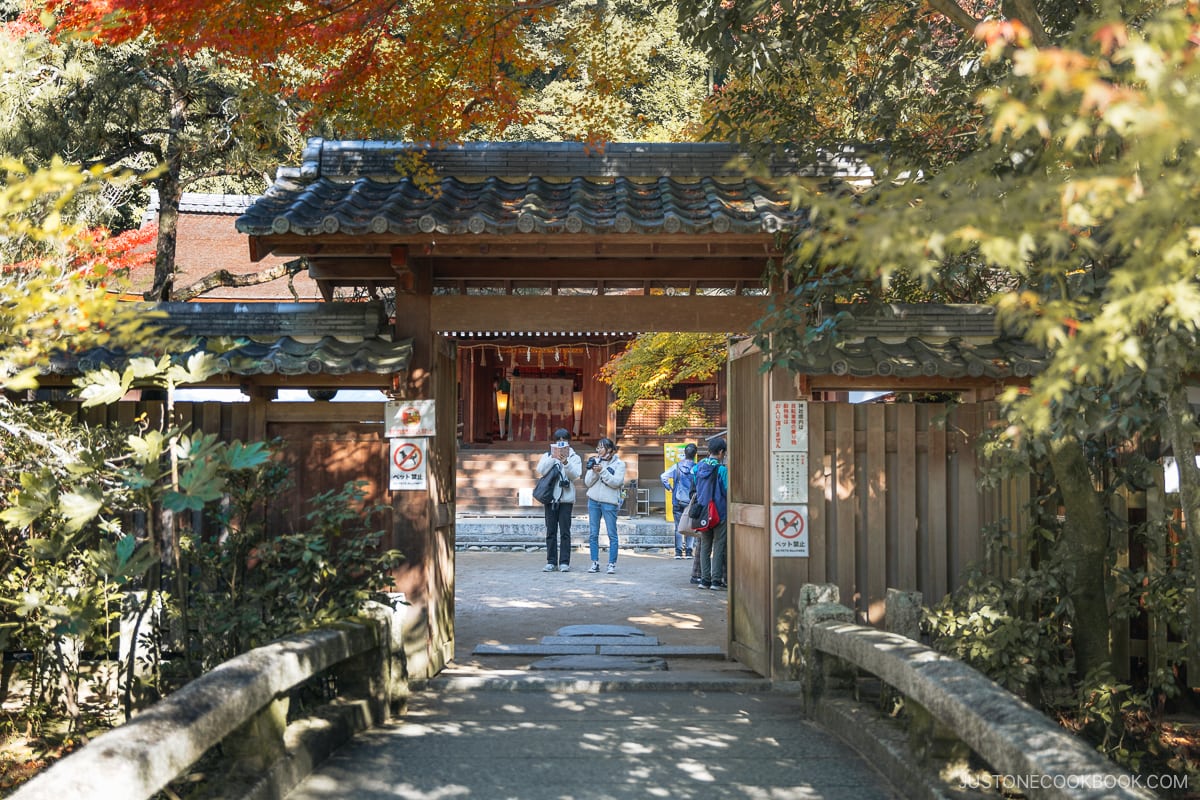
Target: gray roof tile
(920, 340)
(271, 338)
(506, 188)
(499, 206)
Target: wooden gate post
(423, 526)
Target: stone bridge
(647, 708)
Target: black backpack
(544, 491)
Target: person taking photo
(563, 458)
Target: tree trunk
(170, 190)
(1083, 551)
(1180, 429)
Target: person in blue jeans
(712, 485)
(604, 478)
(678, 481)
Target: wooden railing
(243, 705)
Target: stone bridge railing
(243, 705)
(947, 699)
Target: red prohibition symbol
(408, 457)
(789, 524)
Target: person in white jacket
(561, 457)
(604, 479)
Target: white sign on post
(789, 478)
(407, 418)
(407, 465)
(789, 531)
(789, 425)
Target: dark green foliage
(251, 585)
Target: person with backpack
(712, 502)
(678, 481)
(563, 460)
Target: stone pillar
(931, 740)
(901, 616)
(902, 613)
(393, 617)
(819, 603)
(258, 742)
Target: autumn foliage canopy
(425, 70)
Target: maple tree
(228, 88)
(179, 123)
(54, 272)
(655, 362)
(618, 73)
(897, 80)
(1065, 178)
(435, 70)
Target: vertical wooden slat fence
(894, 502)
(326, 444)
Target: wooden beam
(258, 250)
(364, 380)
(749, 270)
(587, 285)
(892, 383)
(634, 245)
(550, 313)
(353, 269)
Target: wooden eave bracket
(258, 250)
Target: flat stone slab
(534, 649)
(599, 630)
(677, 651)
(606, 651)
(590, 663)
(627, 641)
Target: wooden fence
(343, 439)
(894, 500)
(326, 445)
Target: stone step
(602, 641)
(661, 650)
(525, 532)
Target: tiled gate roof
(357, 188)
(919, 341)
(270, 339)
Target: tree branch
(953, 12)
(41, 440)
(224, 277)
(1026, 13)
